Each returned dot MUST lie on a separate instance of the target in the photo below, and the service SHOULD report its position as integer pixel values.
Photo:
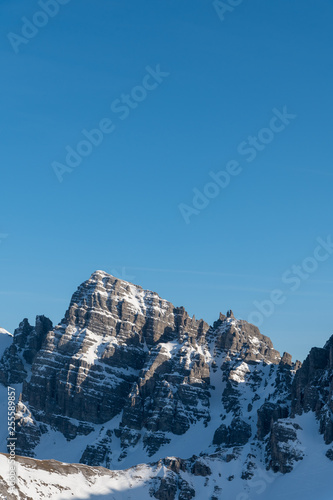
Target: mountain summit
(128, 378)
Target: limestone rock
(269, 413)
(282, 450)
(137, 374)
(312, 389)
(237, 434)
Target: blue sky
(118, 210)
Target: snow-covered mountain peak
(129, 378)
(6, 339)
(5, 332)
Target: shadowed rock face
(282, 456)
(237, 434)
(27, 341)
(269, 413)
(312, 389)
(145, 372)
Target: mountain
(127, 378)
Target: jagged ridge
(126, 372)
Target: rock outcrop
(312, 389)
(282, 446)
(27, 341)
(237, 434)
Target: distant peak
(5, 332)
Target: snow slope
(311, 478)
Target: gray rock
(269, 413)
(286, 359)
(199, 468)
(12, 369)
(312, 388)
(237, 434)
(281, 447)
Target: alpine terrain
(131, 398)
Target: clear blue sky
(120, 207)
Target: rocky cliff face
(130, 378)
(112, 351)
(17, 358)
(312, 389)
